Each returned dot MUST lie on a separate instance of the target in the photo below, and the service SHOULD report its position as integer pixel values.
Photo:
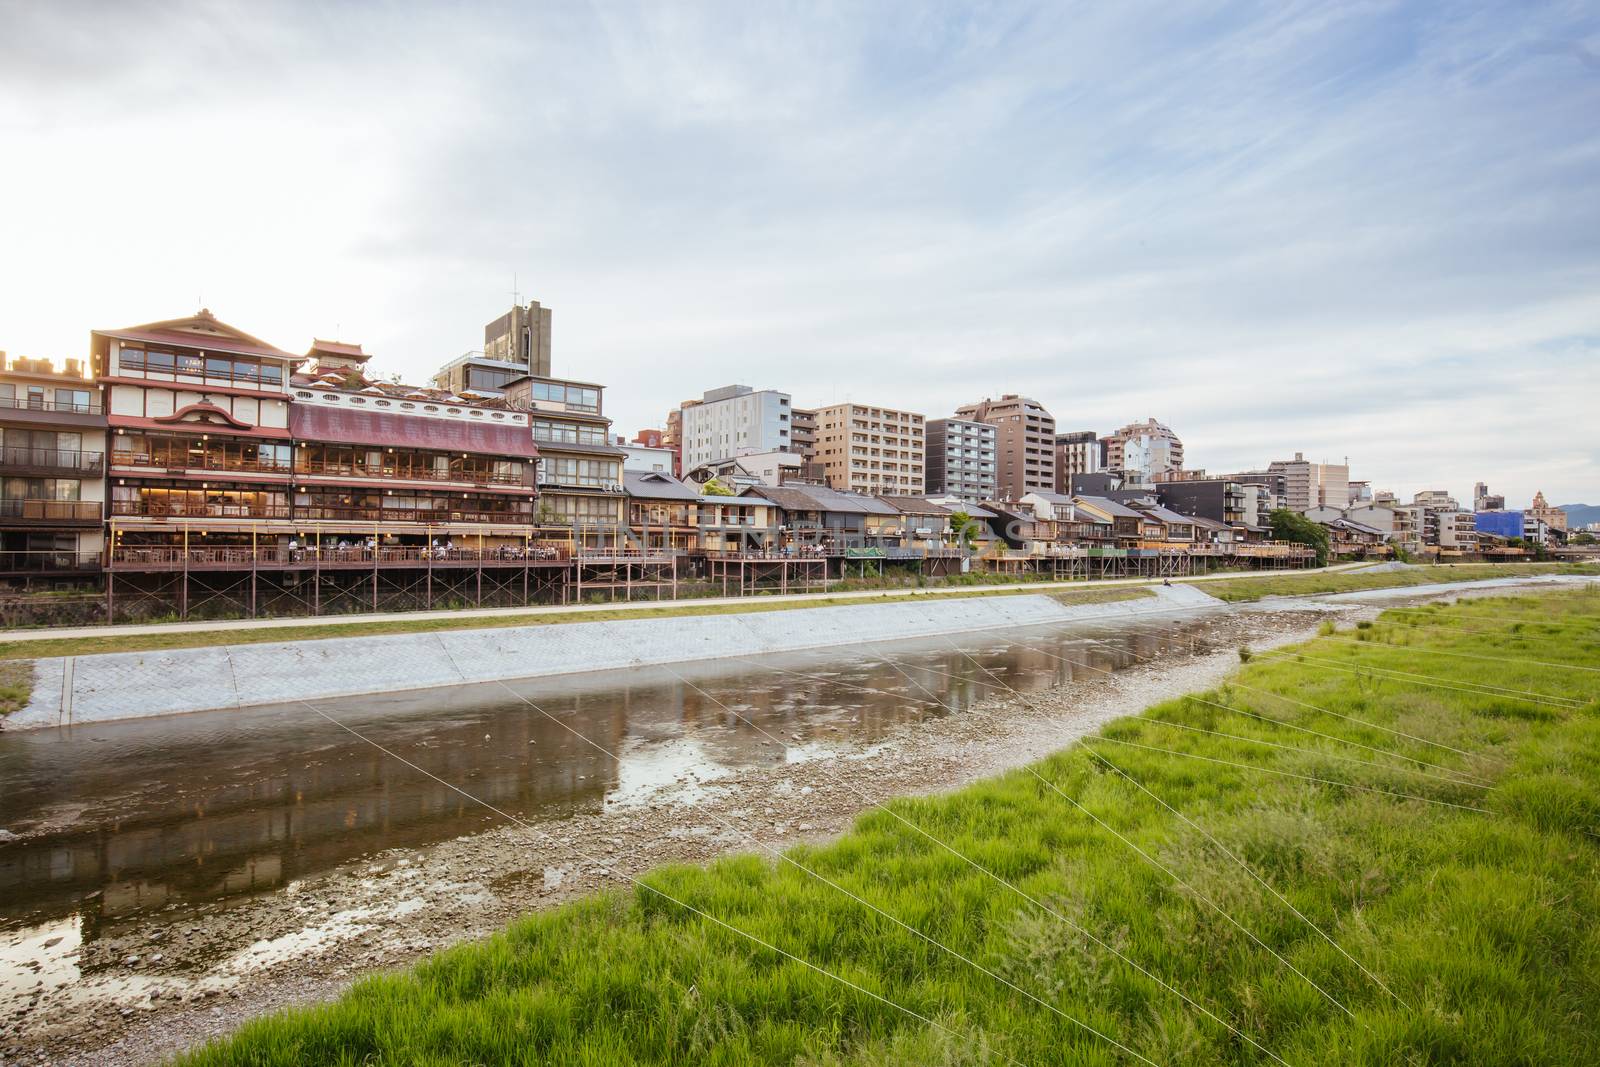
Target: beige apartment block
(866, 449)
(1025, 443)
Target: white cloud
(1355, 230)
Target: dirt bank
(170, 986)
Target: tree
(716, 488)
(1291, 526)
(965, 527)
(1584, 538)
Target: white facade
(1310, 485)
(735, 420)
(645, 458)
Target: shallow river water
(107, 825)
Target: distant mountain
(1581, 514)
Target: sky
(1353, 229)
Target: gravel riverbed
(146, 996)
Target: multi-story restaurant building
(1025, 443)
(52, 471)
(1076, 453)
(865, 449)
(1142, 450)
(1309, 485)
(403, 465)
(199, 430)
(580, 470)
(239, 484)
(961, 459)
(515, 344)
(733, 420)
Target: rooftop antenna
(516, 294)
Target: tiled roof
(656, 485)
(915, 505)
(1108, 507)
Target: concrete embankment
(127, 685)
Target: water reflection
(119, 820)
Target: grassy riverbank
(1292, 584)
(425, 623)
(1481, 924)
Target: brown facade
(1025, 443)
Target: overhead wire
(789, 859)
(640, 883)
(1047, 909)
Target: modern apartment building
(803, 433)
(1142, 450)
(1078, 452)
(1212, 498)
(52, 471)
(866, 449)
(672, 436)
(1435, 498)
(515, 344)
(1483, 500)
(1025, 443)
(521, 336)
(1308, 485)
(580, 470)
(962, 459)
(733, 420)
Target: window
(72, 400)
(137, 361)
(564, 470)
(553, 432)
(573, 396)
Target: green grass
(225, 635)
(1350, 582)
(1486, 925)
(16, 685)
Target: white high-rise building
(735, 420)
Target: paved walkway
(636, 605)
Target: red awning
(343, 427)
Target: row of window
(144, 362)
(41, 489)
(567, 433)
(46, 398)
(576, 397)
(564, 470)
(16, 438)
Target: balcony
(429, 516)
(155, 509)
(51, 512)
(336, 469)
(51, 460)
(49, 562)
(359, 557)
(180, 460)
(35, 403)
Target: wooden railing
(46, 511)
(54, 459)
(241, 556)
